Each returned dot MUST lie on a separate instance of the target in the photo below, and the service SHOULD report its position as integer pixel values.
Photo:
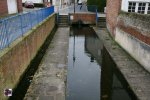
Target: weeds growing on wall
(143, 17)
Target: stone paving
(136, 76)
(49, 81)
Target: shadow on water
(83, 79)
(113, 84)
(92, 75)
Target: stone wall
(133, 34)
(15, 59)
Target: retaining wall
(133, 34)
(15, 59)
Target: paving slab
(49, 81)
(136, 76)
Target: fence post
(57, 18)
(37, 16)
(20, 16)
(42, 14)
(96, 18)
(5, 22)
(30, 18)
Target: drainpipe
(74, 6)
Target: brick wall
(3, 7)
(86, 18)
(19, 5)
(112, 9)
(15, 59)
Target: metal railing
(96, 17)
(16, 26)
(78, 9)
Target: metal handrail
(16, 26)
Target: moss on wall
(144, 17)
(140, 22)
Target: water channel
(92, 74)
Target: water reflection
(86, 80)
(113, 84)
(83, 80)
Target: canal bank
(136, 76)
(49, 81)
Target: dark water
(83, 70)
(86, 79)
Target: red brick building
(128, 21)
(10, 6)
(112, 10)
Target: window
(148, 11)
(141, 8)
(131, 7)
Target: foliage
(99, 3)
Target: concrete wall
(12, 6)
(86, 18)
(34, 1)
(15, 59)
(133, 34)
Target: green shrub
(99, 3)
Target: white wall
(12, 6)
(124, 6)
(136, 48)
(34, 1)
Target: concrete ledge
(136, 76)
(15, 59)
(49, 80)
(139, 50)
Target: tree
(99, 3)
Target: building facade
(128, 21)
(10, 6)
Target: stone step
(62, 24)
(63, 20)
(101, 19)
